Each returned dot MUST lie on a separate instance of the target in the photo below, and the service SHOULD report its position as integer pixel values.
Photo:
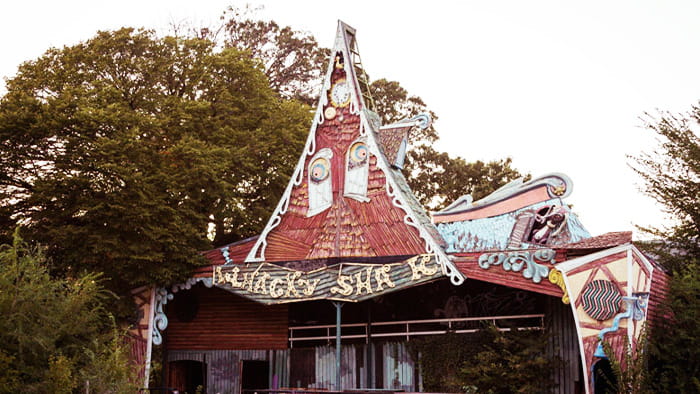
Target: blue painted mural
(544, 224)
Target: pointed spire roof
(346, 199)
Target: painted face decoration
(357, 171)
(319, 169)
(320, 182)
(357, 155)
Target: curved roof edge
(510, 197)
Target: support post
(338, 355)
(369, 359)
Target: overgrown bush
(55, 334)
(630, 374)
(675, 338)
(489, 361)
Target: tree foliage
(671, 175)
(438, 179)
(120, 152)
(123, 153)
(674, 340)
(292, 60)
(630, 373)
(393, 103)
(55, 334)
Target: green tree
(292, 60)
(438, 179)
(631, 375)
(510, 362)
(55, 333)
(295, 64)
(671, 175)
(393, 103)
(121, 153)
(674, 339)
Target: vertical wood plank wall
(223, 366)
(563, 342)
(398, 371)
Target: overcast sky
(559, 86)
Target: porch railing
(409, 328)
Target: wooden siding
(660, 282)
(563, 342)
(227, 321)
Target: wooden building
(350, 267)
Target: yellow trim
(347, 100)
(557, 278)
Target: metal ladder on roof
(360, 72)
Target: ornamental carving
(525, 261)
(557, 278)
(160, 320)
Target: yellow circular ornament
(340, 93)
(329, 113)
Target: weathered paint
(226, 321)
(494, 232)
(223, 366)
(398, 367)
(631, 274)
(140, 335)
(398, 371)
(563, 342)
(272, 284)
(510, 197)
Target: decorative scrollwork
(635, 310)
(557, 278)
(225, 254)
(639, 305)
(423, 120)
(514, 261)
(160, 320)
(431, 246)
(558, 186)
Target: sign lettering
(270, 283)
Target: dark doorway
(254, 375)
(604, 381)
(187, 375)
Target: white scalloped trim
(257, 253)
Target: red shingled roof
(390, 139)
(607, 240)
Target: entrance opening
(187, 375)
(254, 375)
(604, 379)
